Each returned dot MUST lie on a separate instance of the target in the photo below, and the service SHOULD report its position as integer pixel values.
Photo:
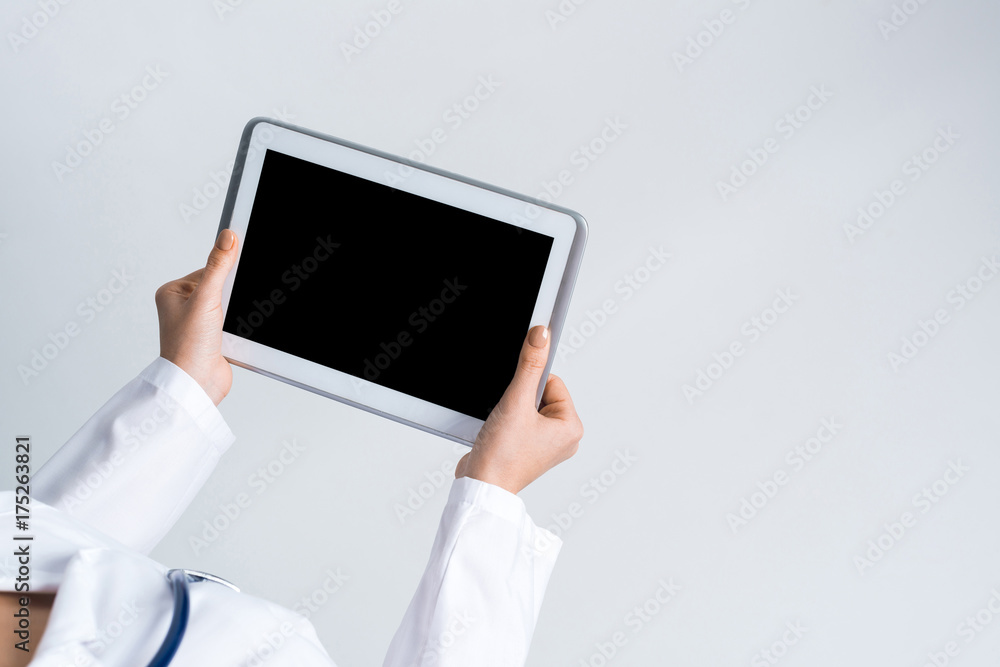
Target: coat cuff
(491, 498)
(183, 391)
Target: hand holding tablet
(518, 443)
(389, 285)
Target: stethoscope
(182, 608)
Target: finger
(562, 409)
(556, 399)
(530, 365)
(555, 390)
(220, 263)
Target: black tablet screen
(409, 293)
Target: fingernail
(225, 240)
(538, 336)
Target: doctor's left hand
(190, 312)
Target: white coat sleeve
(479, 598)
(134, 467)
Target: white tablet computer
(386, 284)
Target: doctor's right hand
(518, 443)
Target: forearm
(479, 598)
(137, 463)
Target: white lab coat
(105, 499)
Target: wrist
(204, 380)
(494, 476)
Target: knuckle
(160, 294)
(569, 449)
(496, 415)
(216, 260)
(532, 363)
(574, 432)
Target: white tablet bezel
(567, 229)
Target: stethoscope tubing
(182, 610)
(179, 620)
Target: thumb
(220, 263)
(530, 365)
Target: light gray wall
(664, 519)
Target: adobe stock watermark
(309, 604)
(259, 481)
(963, 293)
(704, 39)
(924, 500)
(752, 330)
(913, 169)
(366, 33)
(121, 108)
(87, 311)
(218, 180)
(562, 12)
(268, 644)
(142, 427)
(294, 277)
(453, 118)
(574, 338)
(592, 490)
(32, 24)
(786, 126)
(635, 620)
(431, 482)
(779, 648)
(796, 459)
(588, 152)
(899, 16)
(420, 320)
(585, 155)
(457, 625)
(128, 614)
(103, 637)
(967, 631)
(224, 7)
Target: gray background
(665, 517)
